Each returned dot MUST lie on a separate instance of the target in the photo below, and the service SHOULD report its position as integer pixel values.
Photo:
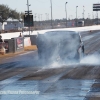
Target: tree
(22, 15)
(6, 12)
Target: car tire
(81, 53)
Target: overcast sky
(43, 6)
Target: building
(2, 26)
(13, 24)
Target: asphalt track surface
(53, 82)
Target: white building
(2, 26)
(13, 24)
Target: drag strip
(79, 81)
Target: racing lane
(66, 82)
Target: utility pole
(41, 17)
(83, 15)
(46, 16)
(88, 15)
(66, 12)
(97, 18)
(28, 18)
(28, 15)
(92, 18)
(51, 13)
(35, 16)
(35, 19)
(83, 12)
(76, 15)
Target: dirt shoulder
(26, 49)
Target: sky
(42, 8)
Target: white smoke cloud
(93, 59)
(58, 47)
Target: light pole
(41, 17)
(88, 15)
(35, 16)
(46, 15)
(76, 15)
(35, 19)
(66, 12)
(46, 20)
(51, 13)
(41, 20)
(93, 17)
(38, 17)
(83, 12)
(28, 15)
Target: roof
(10, 20)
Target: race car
(60, 45)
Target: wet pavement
(57, 90)
(55, 86)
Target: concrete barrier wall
(34, 33)
(19, 44)
(15, 45)
(27, 41)
(10, 45)
(32, 38)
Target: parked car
(80, 23)
(60, 45)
